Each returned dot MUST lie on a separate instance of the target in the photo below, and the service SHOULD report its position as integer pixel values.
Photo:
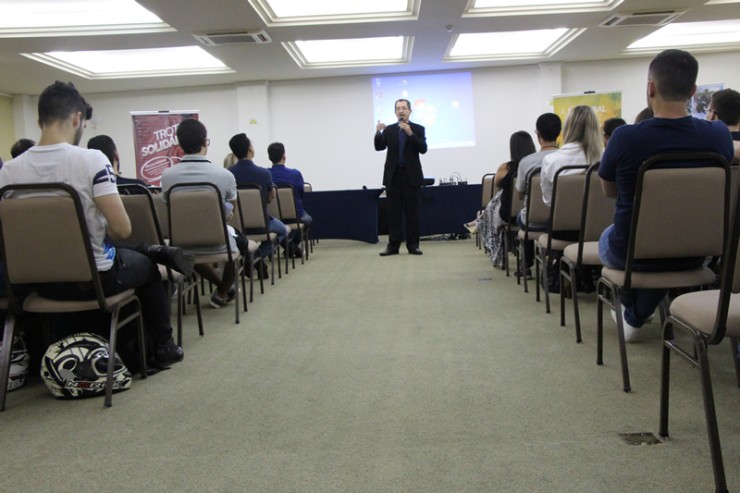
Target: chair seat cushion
(590, 253)
(699, 310)
(531, 235)
(35, 303)
(558, 245)
(662, 280)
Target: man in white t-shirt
(63, 114)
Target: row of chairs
(193, 218)
(680, 210)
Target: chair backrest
(516, 203)
(160, 206)
(307, 187)
(487, 189)
(734, 190)
(273, 207)
(567, 199)
(598, 209)
(45, 238)
(286, 201)
(250, 203)
(196, 216)
(139, 205)
(537, 211)
(697, 185)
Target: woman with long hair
(582, 144)
(490, 224)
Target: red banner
(155, 141)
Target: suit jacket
(415, 144)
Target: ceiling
(438, 22)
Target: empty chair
(708, 317)
(487, 191)
(289, 216)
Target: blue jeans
(639, 304)
(276, 226)
(528, 244)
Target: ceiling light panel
(486, 8)
(361, 52)
(514, 45)
(712, 35)
(121, 64)
(41, 18)
(302, 12)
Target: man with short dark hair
(547, 128)
(610, 125)
(20, 146)
(194, 167)
(105, 144)
(402, 177)
(725, 106)
(671, 82)
(282, 175)
(57, 158)
(246, 172)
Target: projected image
(443, 103)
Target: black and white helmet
(20, 362)
(76, 366)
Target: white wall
(327, 126)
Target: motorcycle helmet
(76, 366)
(19, 363)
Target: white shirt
(86, 170)
(571, 154)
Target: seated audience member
(21, 146)
(582, 145)
(609, 126)
(194, 167)
(725, 106)
(246, 172)
(57, 158)
(230, 160)
(547, 128)
(645, 114)
(282, 175)
(497, 213)
(671, 82)
(105, 144)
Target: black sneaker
(172, 257)
(217, 301)
(168, 353)
(528, 273)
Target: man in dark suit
(402, 177)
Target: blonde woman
(582, 144)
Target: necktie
(401, 145)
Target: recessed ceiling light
(359, 52)
(711, 35)
(40, 18)
(121, 64)
(301, 12)
(520, 7)
(513, 45)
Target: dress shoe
(388, 251)
(172, 257)
(168, 353)
(415, 251)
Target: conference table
(360, 214)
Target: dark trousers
(131, 269)
(403, 200)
